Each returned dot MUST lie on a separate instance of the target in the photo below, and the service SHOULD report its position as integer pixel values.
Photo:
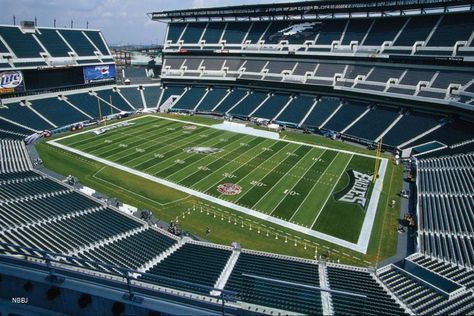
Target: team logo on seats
(357, 189)
(229, 189)
(296, 31)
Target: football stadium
(310, 157)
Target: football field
(319, 189)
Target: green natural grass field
(226, 224)
(289, 181)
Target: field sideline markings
(109, 148)
(99, 127)
(108, 141)
(310, 243)
(148, 141)
(140, 125)
(263, 226)
(259, 215)
(211, 126)
(332, 190)
(281, 179)
(361, 248)
(281, 139)
(367, 225)
(385, 214)
(95, 176)
(314, 185)
(120, 135)
(302, 176)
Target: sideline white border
(366, 230)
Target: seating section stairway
(197, 264)
(423, 298)
(267, 293)
(452, 271)
(13, 157)
(373, 299)
(133, 251)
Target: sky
(121, 21)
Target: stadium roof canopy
(313, 9)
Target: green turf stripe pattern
(130, 147)
(176, 144)
(100, 146)
(189, 160)
(159, 153)
(189, 169)
(312, 205)
(273, 197)
(177, 141)
(295, 197)
(172, 156)
(267, 183)
(197, 176)
(85, 138)
(249, 166)
(115, 136)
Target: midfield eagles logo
(357, 189)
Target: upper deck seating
(53, 43)
(266, 293)
(24, 45)
(81, 45)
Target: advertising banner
(98, 73)
(11, 81)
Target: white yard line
(284, 177)
(214, 143)
(216, 158)
(314, 186)
(264, 176)
(99, 127)
(118, 135)
(225, 165)
(246, 163)
(148, 140)
(296, 183)
(330, 193)
(174, 146)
